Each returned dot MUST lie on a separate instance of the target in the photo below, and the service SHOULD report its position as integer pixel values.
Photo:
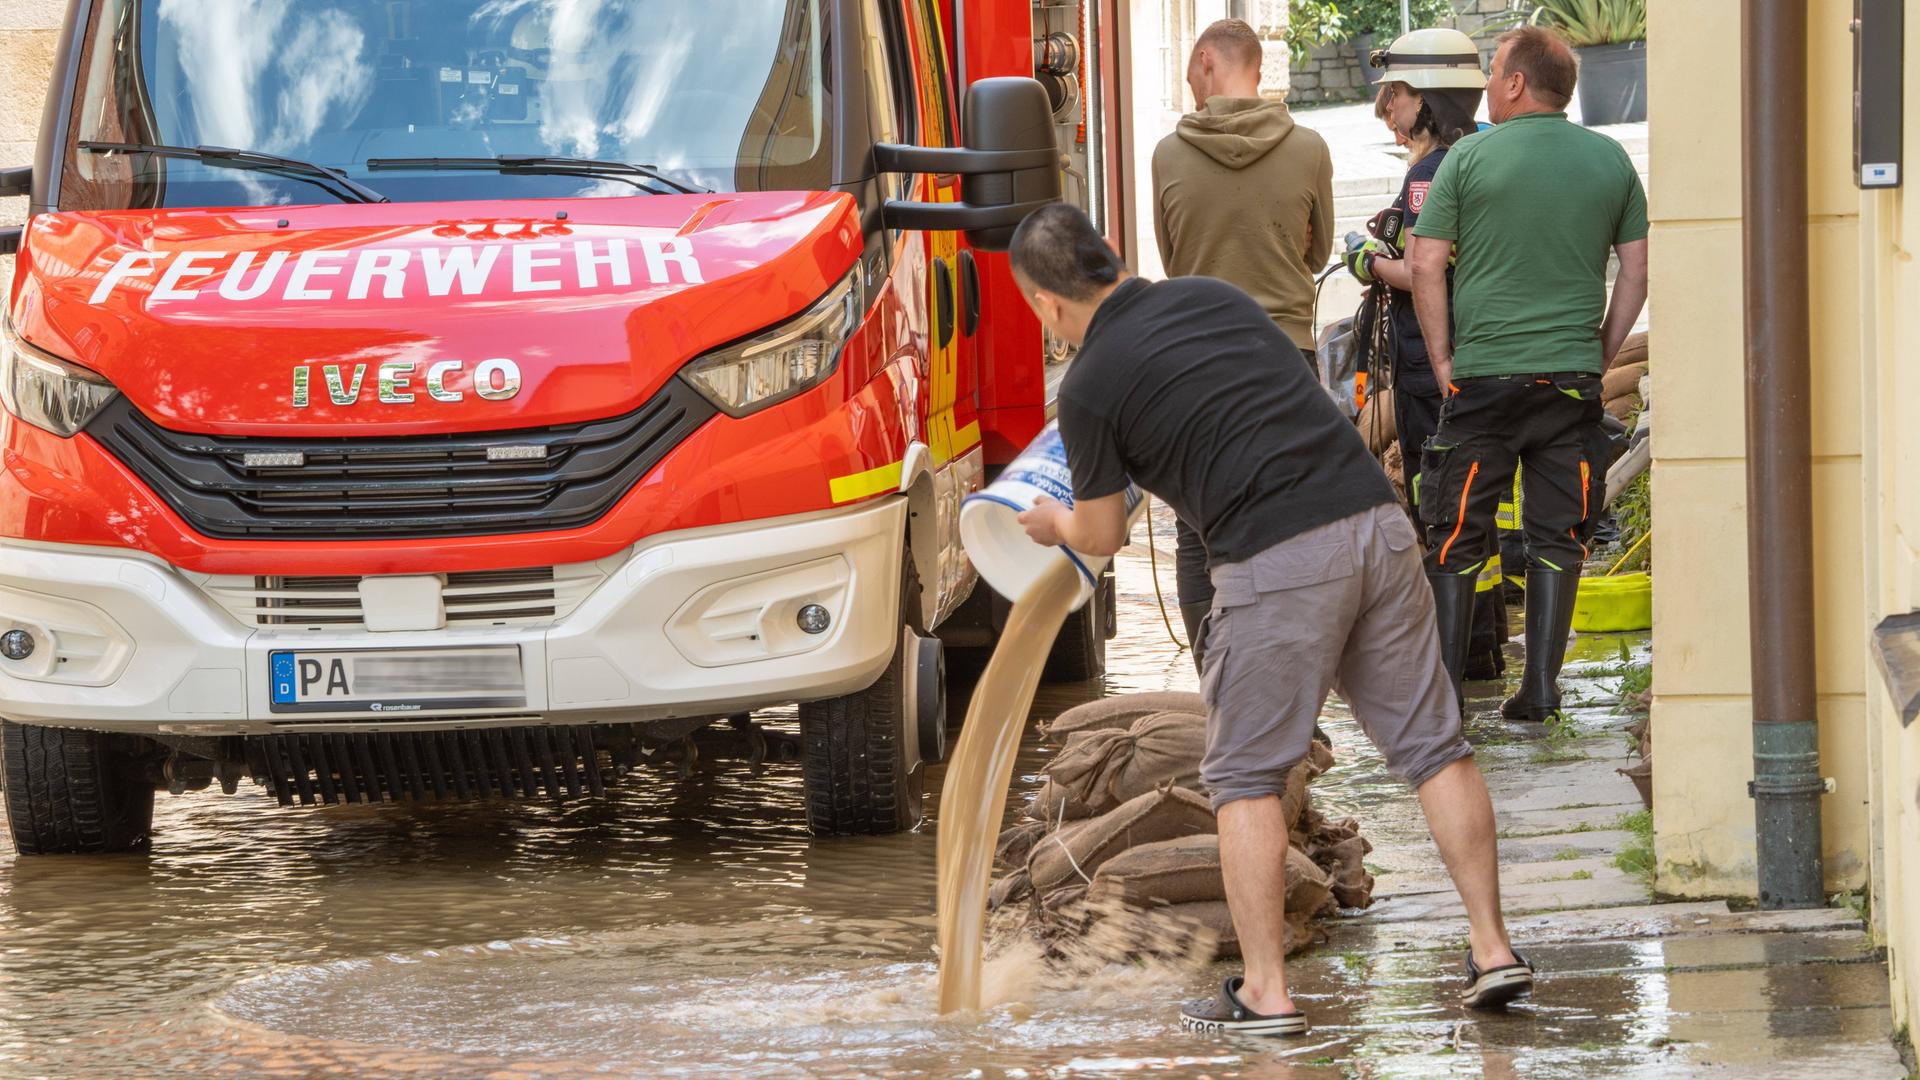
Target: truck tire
(860, 777)
(1080, 652)
(70, 792)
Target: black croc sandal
(1226, 1015)
(1496, 987)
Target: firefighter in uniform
(1527, 214)
(1429, 91)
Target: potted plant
(1610, 38)
(1373, 24)
(1311, 24)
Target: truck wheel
(862, 778)
(71, 792)
(1080, 652)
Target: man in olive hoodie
(1240, 192)
(1243, 195)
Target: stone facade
(1334, 72)
(29, 32)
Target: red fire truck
(463, 398)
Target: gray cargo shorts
(1345, 607)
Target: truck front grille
(472, 598)
(409, 487)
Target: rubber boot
(1453, 606)
(1550, 598)
(1194, 615)
(1484, 659)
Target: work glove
(1359, 258)
(1385, 225)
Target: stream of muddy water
(973, 802)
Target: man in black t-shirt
(1318, 584)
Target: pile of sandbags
(1620, 386)
(1121, 826)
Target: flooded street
(689, 926)
(683, 926)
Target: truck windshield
(727, 96)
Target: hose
(1153, 562)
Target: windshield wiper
(344, 186)
(619, 170)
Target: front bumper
(692, 623)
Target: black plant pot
(1362, 51)
(1613, 83)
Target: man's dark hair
(1546, 60)
(1058, 249)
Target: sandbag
(1120, 712)
(1011, 889)
(1212, 918)
(1392, 463)
(1074, 854)
(1055, 803)
(1309, 892)
(1063, 898)
(1377, 423)
(1632, 351)
(1621, 381)
(1622, 408)
(1319, 756)
(1177, 871)
(1016, 843)
(1187, 870)
(1295, 800)
(1102, 769)
(1346, 869)
(1339, 850)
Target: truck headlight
(797, 355)
(46, 391)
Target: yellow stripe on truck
(860, 485)
(966, 438)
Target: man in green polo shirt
(1529, 211)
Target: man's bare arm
(1096, 527)
(1629, 296)
(1428, 261)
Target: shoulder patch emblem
(1417, 194)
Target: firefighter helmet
(1431, 59)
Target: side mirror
(16, 181)
(1009, 168)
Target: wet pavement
(689, 926)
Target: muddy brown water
(973, 799)
(682, 927)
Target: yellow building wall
(1865, 292)
(1702, 710)
(1889, 308)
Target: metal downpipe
(1787, 785)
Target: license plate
(398, 680)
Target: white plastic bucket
(990, 520)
